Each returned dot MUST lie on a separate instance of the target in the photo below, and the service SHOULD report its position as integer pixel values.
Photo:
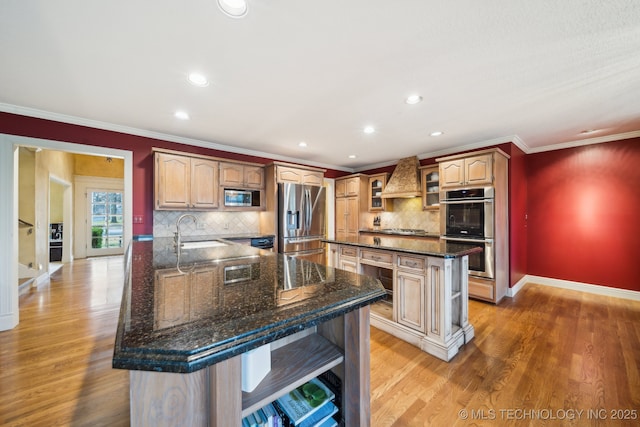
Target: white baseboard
(576, 286)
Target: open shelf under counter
(291, 366)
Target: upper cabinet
(183, 182)
(430, 181)
(468, 171)
(238, 175)
(299, 175)
(376, 185)
(350, 202)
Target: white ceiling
(537, 72)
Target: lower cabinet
(429, 296)
(411, 302)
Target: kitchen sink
(203, 244)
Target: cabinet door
(172, 177)
(171, 299)
(286, 174)
(452, 173)
(348, 264)
(352, 187)
(376, 185)
(253, 176)
(341, 217)
(341, 187)
(430, 188)
(231, 175)
(352, 216)
(478, 170)
(410, 295)
(204, 184)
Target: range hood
(404, 181)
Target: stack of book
(310, 405)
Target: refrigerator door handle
(308, 211)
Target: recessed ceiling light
(588, 131)
(369, 129)
(182, 115)
(352, 156)
(436, 133)
(198, 79)
(302, 144)
(233, 8)
(413, 99)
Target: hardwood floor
(537, 359)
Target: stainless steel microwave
(247, 198)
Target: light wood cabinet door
(452, 173)
(204, 184)
(478, 170)
(352, 187)
(231, 175)
(430, 180)
(475, 170)
(341, 217)
(253, 176)
(376, 186)
(348, 264)
(172, 181)
(182, 182)
(236, 175)
(299, 176)
(411, 303)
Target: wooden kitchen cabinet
(468, 171)
(488, 168)
(410, 292)
(376, 187)
(238, 175)
(185, 183)
(349, 186)
(350, 204)
(430, 182)
(348, 258)
(299, 175)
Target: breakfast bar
(426, 283)
(191, 319)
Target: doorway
(9, 221)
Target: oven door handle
(458, 239)
(465, 201)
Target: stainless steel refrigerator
(301, 221)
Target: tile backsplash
(407, 213)
(210, 223)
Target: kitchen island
(426, 281)
(188, 318)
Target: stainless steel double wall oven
(468, 222)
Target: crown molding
(514, 139)
(589, 141)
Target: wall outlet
(226, 225)
(201, 226)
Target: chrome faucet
(177, 238)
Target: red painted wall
(140, 146)
(584, 214)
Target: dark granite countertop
(426, 247)
(400, 232)
(181, 314)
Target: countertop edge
(404, 250)
(180, 363)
